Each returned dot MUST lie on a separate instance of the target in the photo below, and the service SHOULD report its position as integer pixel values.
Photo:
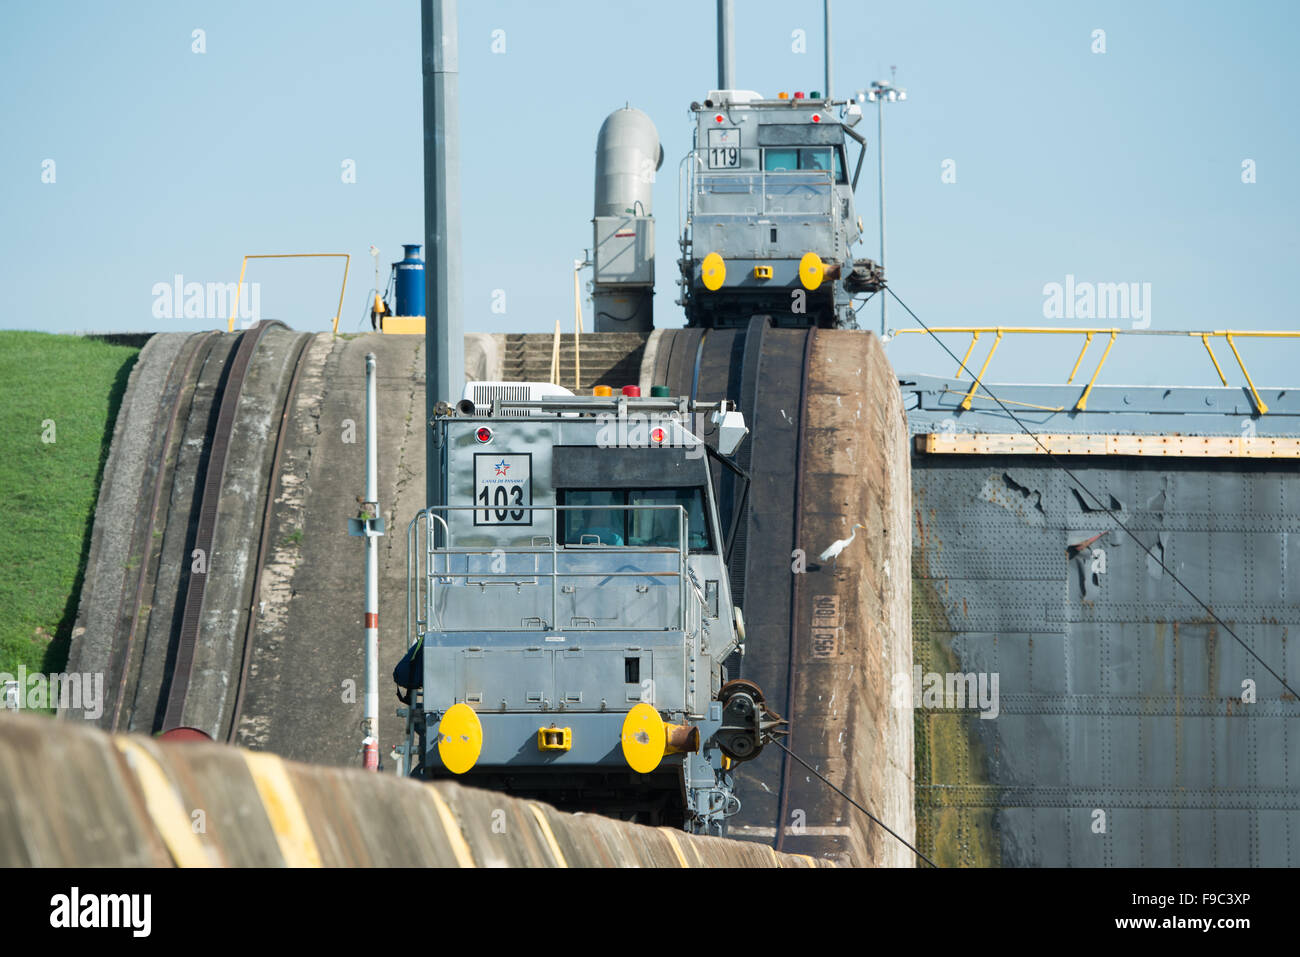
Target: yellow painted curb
(283, 809)
(164, 806)
(548, 834)
(459, 846)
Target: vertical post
(370, 741)
(880, 151)
(555, 355)
(555, 566)
(826, 21)
(577, 327)
(375, 313)
(682, 565)
(444, 334)
(726, 48)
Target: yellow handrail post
(347, 261)
(1087, 341)
(1205, 339)
(230, 323)
(1259, 403)
(975, 337)
(1083, 399)
(965, 403)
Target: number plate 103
(503, 488)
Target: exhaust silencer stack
(628, 155)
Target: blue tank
(410, 282)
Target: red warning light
(657, 435)
(717, 118)
(632, 391)
(484, 434)
(816, 117)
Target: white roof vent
(483, 394)
(734, 96)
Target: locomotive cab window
(788, 159)
(614, 524)
(819, 158)
(658, 527)
(783, 160)
(602, 525)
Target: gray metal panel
(533, 435)
(624, 252)
(1117, 692)
(556, 673)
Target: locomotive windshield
(790, 158)
(609, 522)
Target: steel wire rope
(827, 781)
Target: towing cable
(825, 780)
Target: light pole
(880, 92)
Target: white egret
(834, 551)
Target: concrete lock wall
(189, 804)
(857, 610)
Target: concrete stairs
(608, 358)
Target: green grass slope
(59, 397)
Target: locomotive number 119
(724, 157)
(724, 149)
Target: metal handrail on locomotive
(769, 220)
(570, 611)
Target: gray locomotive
(571, 611)
(767, 221)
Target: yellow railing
(347, 261)
(975, 332)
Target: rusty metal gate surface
(1123, 731)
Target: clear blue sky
(1115, 167)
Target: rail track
(264, 541)
(764, 370)
(151, 696)
(127, 647)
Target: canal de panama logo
(502, 467)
